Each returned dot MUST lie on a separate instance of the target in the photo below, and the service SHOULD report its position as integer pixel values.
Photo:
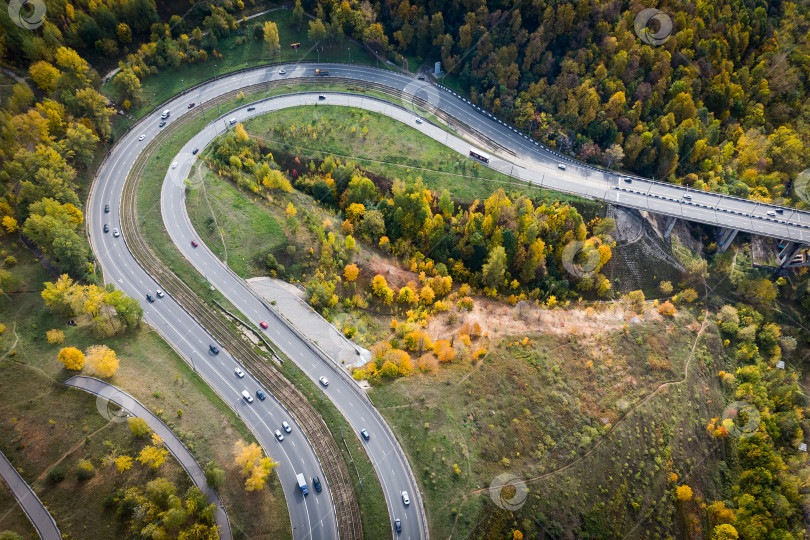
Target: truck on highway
(302, 483)
(321, 72)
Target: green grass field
(531, 411)
(389, 148)
(45, 424)
(235, 227)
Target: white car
(286, 427)
(174, 165)
(405, 498)
(142, 137)
(324, 380)
(687, 196)
(771, 213)
(282, 71)
(116, 233)
(239, 373)
(561, 166)
(418, 120)
(279, 436)
(160, 293)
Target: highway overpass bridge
(730, 215)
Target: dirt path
(13, 345)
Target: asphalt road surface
(40, 517)
(512, 153)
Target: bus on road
(480, 156)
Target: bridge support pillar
(670, 223)
(788, 256)
(726, 237)
(786, 248)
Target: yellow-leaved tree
(101, 360)
(256, 468)
(683, 493)
(351, 272)
(153, 456)
(55, 336)
(123, 463)
(72, 358)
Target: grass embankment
(531, 410)
(370, 500)
(236, 228)
(390, 149)
(158, 88)
(31, 396)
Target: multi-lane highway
(312, 516)
(513, 154)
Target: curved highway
(527, 160)
(382, 446)
(514, 154)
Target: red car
(190, 105)
(263, 324)
(194, 243)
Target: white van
(247, 396)
(232, 121)
(166, 114)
